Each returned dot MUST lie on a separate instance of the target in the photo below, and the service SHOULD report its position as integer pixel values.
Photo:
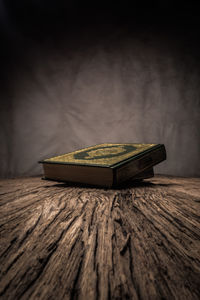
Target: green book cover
(103, 155)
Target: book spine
(136, 166)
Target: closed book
(106, 165)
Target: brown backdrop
(71, 86)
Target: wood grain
(71, 242)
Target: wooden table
(63, 242)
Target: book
(149, 173)
(106, 165)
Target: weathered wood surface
(64, 242)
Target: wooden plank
(63, 242)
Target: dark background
(77, 74)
